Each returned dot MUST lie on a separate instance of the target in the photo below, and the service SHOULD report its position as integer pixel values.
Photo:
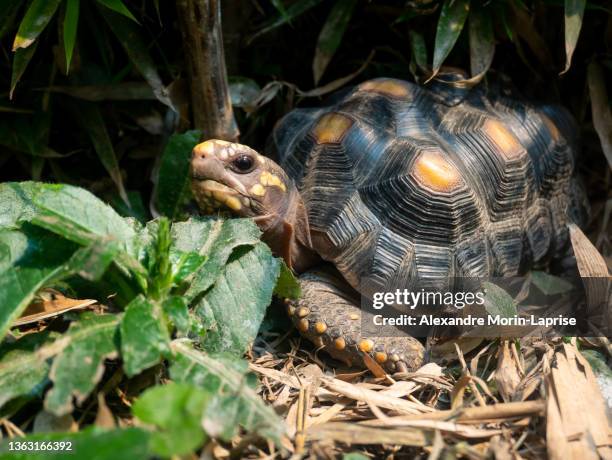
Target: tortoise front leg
(328, 314)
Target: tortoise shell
(403, 183)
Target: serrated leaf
(173, 183)
(482, 41)
(35, 20)
(176, 411)
(93, 443)
(71, 22)
(226, 377)
(287, 285)
(497, 302)
(574, 11)
(16, 203)
(77, 370)
(549, 284)
(144, 336)
(450, 25)
(24, 367)
(233, 309)
(215, 239)
(129, 36)
(36, 264)
(119, 7)
(331, 35)
(94, 125)
(21, 59)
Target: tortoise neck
(288, 233)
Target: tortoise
(396, 183)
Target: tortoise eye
(243, 163)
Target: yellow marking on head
(551, 127)
(386, 87)
(504, 139)
(233, 203)
(205, 148)
(435, 172)
(268, 179)
(331, 128)
(258, 190)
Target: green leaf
(287, 285)
(227, 378)
(233, 309)
(178, 313)
(482, 41)
(20, 61)
(354, 456)
(129, 36)
(173, 182)
(35, 20)
(8, 12)
(144, 336)
(16, 203)
(38, 263)
(78, 207)
(280, 7)
(418, 52)
(93, 123)
(549, 284)
(176, 411)
(450, 25)
(92, 261)
(119, 7)
(331, 35)
(77, 370)
(24, 367)
(93, 443)
(293, 11)
(498, 302)
(71, 22)
(574, 11)
(215, 239)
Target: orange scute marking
(435, 172)
(386, 87)
(506, 141)
(331, 128)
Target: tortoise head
(234, 177)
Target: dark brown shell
(403, 183)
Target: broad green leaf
(135, 208)
(482, 41)
(92, 261)
(287, 285)
(498, 302)
(35, 20)
(77, 370)
(184, 264)
(331, 35)
(233, 309)
(93, 123)
(418, 52)
(215, 239)
(173, 182)
(71, 22)
(176, 411)
(574, 11)
(227, 378)
(144, 336)
(21, 59)
(16, 203)
(24, 366)
(119, 7)
(78, 207)
(129, 36)
(93, 443)
(450, 25)
(549, 284)
(38, 263)
(291, 12)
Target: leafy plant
(60, 235)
